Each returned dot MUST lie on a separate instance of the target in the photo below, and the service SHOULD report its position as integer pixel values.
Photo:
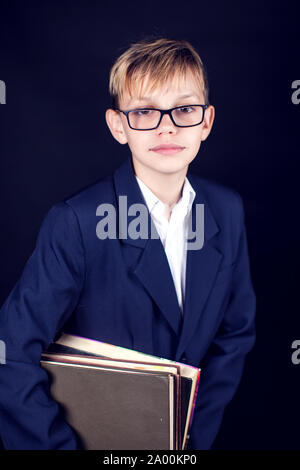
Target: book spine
(193, 410)
(178, 413)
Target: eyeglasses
(146, 119)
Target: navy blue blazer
(121, 291)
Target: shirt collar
(185, 202)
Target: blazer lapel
(146, 257)
(201, 269)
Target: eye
(186, 109)
(142, 112)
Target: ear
(115, 124)
(208, 120)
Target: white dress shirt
(171, 224)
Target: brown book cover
(154, 368)
(185, 377)
(113, 408)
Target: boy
(148, 293)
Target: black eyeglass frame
(162, 112)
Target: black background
(55, 58)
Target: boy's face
(143, 144)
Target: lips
(167, 149)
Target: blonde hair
(159, 60)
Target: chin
(164, 164)
(171, 167)
(173, 162)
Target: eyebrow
(180, 97)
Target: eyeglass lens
(149, 118)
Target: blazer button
(183, 359)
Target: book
(190, 375)
(118, 398)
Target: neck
(166, 186)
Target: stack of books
(118, 398)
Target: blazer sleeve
(41, 301)
(223, 363)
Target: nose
(166, 125)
